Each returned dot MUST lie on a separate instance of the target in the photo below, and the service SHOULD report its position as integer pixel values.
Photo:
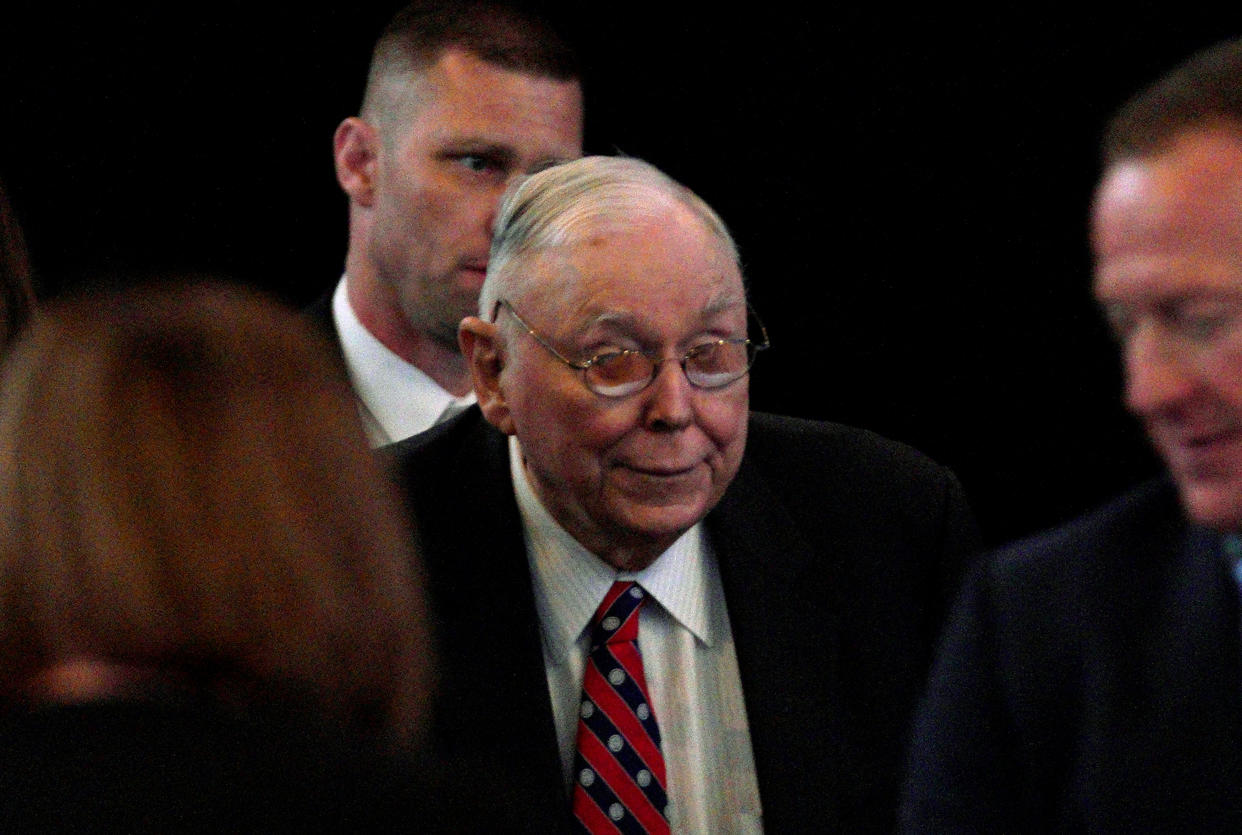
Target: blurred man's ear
(480, 345)
(355, 149)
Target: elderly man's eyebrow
(613, 318)
(629, 318)
(723, 303)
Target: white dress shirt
(395, 399)
(688, 659)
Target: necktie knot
(616, 619)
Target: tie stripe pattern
(619, 778)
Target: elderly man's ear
(355, 150)
(481, 348)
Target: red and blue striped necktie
(619, 778)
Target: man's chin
(444, 331)
(1215, 503)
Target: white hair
(559, 206)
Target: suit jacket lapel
(1173, 736)
(495, 722)
(792, 695)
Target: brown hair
(1204, 91)
(501, 33)
(16, 294)
(184, 486)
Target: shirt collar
(569, 581)
(397, 399)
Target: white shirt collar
(570, 581)
(397, 399)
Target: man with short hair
(1092, 678)
(782, 580)
(461, 98)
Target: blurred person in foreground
(1091, 679)
(612, 492)
(462, 97)
(208, 616)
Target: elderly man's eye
(621, 366)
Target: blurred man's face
(627, 476)
(1167, 236)
(441, 177)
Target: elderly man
(784, 579)
(462, 97)
(1091, 680)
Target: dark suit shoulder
(1129, 535)
(446, 474)
(832, 469)
(882, 512)
(467, 434)
(857, 452)
(1087, 682)
(828, 435)
(1090, 588)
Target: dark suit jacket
(838, 551)
(319, 314)
(1089, 682)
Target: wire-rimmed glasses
(709, 365)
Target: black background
(909, 189)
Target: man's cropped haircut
(500, 33)
(1203, 92)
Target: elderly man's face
(1168, 245)
(627, 476)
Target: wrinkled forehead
(649, 276)
(660, 232)
(639, 206)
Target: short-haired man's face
(442, 174)
(1168, 243)
(627, 476)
